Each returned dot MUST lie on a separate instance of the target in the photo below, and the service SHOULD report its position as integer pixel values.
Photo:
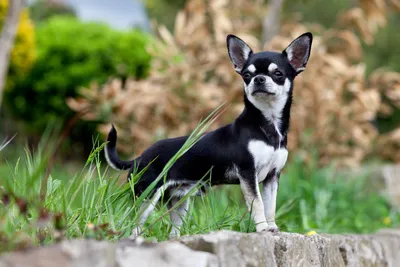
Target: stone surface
(91, 253)
(168, 254)
(78, 253)
(267, 249)
(223, 248)
(286, 249)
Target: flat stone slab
(289, 249)
(220, 249)
(92, 253)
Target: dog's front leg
(254, 203)
(270, 190)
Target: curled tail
(112, 155)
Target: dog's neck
(274, 118)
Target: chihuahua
(250, 151)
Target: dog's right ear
(238, 51)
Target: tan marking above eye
(272, 67)
(251, 68)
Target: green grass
(93, 203)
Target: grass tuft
(93, 203)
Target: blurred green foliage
(319, 11)
(316, 11)
(385, 53)
(42, 10)
(309, 199)
(164, 11)
(71, 54)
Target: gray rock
(286, 249)
(91, 253)
(168, 254)
(235, 249)
(223, 248)
(77, 253)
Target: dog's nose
(258, 80)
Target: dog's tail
(112, 155)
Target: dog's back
(211, 156)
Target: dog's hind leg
(254, 203)
(146, 208)
(178, 213)
(270, 190)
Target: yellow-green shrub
(71, 54)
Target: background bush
(334, 93)
(164, 11)
(42, 10)
(385, 53)
(316, 11)
(71, 54)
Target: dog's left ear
(238, 51)
(298, 52)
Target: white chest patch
(266, 158)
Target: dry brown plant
(334, 103)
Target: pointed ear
(298, 52)
(238, 51)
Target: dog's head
(268, 76)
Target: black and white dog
(249, 151)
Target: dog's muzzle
(262, 91)
(261, 86)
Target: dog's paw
(261, 227)
(175, 233)
(135, 233)
(273, 228)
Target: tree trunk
(271, 23)
(7, 38)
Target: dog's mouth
(261, 92)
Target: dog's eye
(247, 76)
(278, 73)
